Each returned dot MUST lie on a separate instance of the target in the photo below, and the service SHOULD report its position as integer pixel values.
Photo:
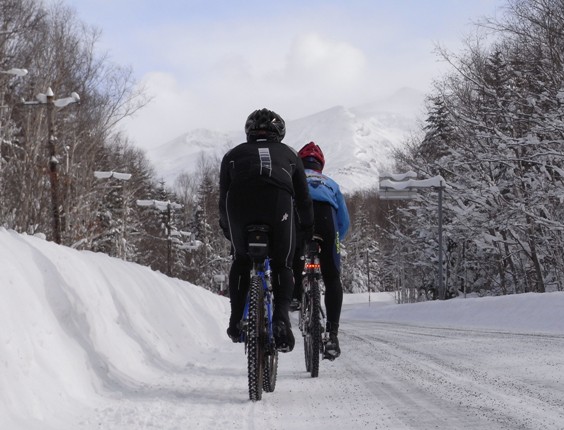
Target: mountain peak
(357, 142)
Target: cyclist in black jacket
(260, 182)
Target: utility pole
(442, 288)
(368, 275)
(53, 164)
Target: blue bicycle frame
(263, 271)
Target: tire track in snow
(465, 376)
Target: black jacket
(271, 162)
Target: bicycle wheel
(315, 329)
(255, 339)
(271, 353)
(312, 340)
(304, 323)
(270, 371)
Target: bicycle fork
(268, 308)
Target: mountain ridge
(357, 142)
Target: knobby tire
(304, 323)
(271, 353)
(270, 371)
(255, 339)
(312, 318)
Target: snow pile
(530, 313)
(77, 324)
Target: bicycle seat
(258, 227)
(257, 241)
(314, 244)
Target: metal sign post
(404, 186)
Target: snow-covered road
(390, 376)
(429, 378)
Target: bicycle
(256, 327)
(311, 316)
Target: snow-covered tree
(505, 151)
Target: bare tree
(60, 53)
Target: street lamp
(116, 175)
(166, 208)
(121, 243)
(15, 72)
(48, 100)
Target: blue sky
(209, 63)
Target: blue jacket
(324, 189)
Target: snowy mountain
(357, 142)
(90, 342)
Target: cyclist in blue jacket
(261, 181)
(331, 222)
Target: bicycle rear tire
(270, 371)
(255, 339)
(312, 335)
(271, 353)
(304, 324)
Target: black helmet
(265, 124)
